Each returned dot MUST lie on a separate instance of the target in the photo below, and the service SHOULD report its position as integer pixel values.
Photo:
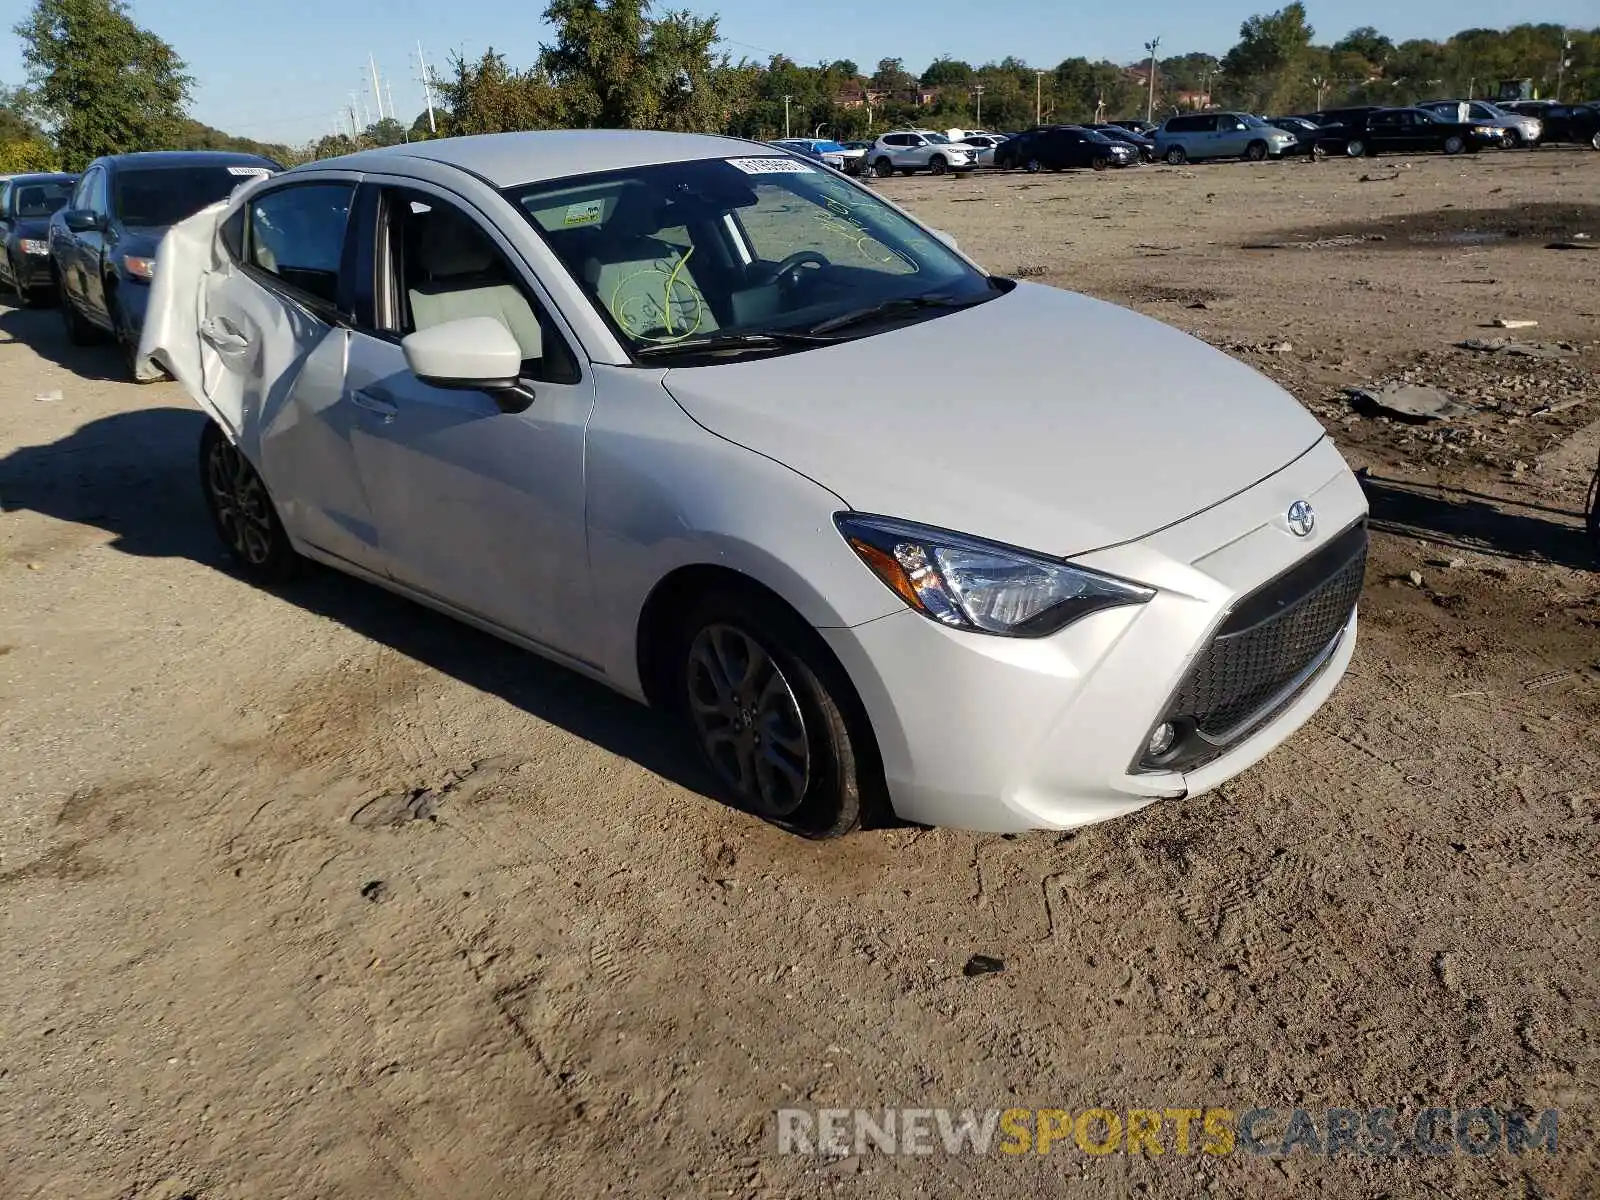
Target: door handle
(375, 400)
(225, 340)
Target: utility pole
(1038, 97)
(353, 131)
(786, 115)
(1152, 45)
(977, 91)
(377, 92)
(1561, 67)
(427, 87)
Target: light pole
(1561, 67)
(1152, 45)
(786, 115)
(1038, 97)
(978, 92)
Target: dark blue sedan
(26, 205)
(103, 243)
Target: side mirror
(946, 238)
(469, 353)
(81, 220)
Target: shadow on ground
(136, 475)
(42, 331)
(1473, 521)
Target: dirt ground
(317, 894)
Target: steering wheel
(788, 273)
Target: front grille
(1267, 640)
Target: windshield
(156, 196)
(748, 245)
(41, 199)
(1253, 121)
(1094, 135)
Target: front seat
(644, 282)
(462, 275)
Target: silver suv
(1219, 135)
(1522, 129)
(909, 150)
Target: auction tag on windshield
(771, 166)
(252, 172)
(585, 212)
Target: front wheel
(883, 168)
(1177, 156)
(79, 331)
(1100, 163)
(24, 297)
(1454, 144)
(938, 165)
(1255, 152)
(242, 512)
(1595, 141)
(1515, 140)
(767, 708)
(1034, 166)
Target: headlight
(34, 246)
(139, 268)
(968, 583)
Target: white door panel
(480, 508)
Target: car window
(80, 197)
(160, 196)
(37, 199)
(94, 198)
(772, 243)
(5, 199)
(297, 234)
(441, 265)
(1385, 120)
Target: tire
(938, 165)
(1355, 148)
(1515, 140)
(242, 512)
(79, 331)
(1033, 166)
(1594, 141)
(1255, 152)
(883, 168)
(1099, 163)
(1176, 156)
(24, 297)
(1454, 144)
(127, 350)
(806, 777)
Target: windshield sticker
(252, 172)
(585, 212)
(772, 166)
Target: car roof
(181, 158)
(40, 177)
(509, 159)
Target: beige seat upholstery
(462, 275)
(645, 283)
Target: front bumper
(133, 298)
(1010, 734)
(33, 271)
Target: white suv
(909, 150)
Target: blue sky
(278, 70)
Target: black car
(1056, 147)
(26, 204)
(1145, 147)
(1143, 128)
(1412, 130)
(1576, 124)
(1310, 138)
(103, 243)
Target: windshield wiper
(888, 308)
(735, 341)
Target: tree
(487, 96)
(104, 84)
(1267, 68)
(892, 76)
(387, 132)
(21, 155)
(1364, 45)
(947, 72)
(598, 60)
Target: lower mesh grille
(1271, 637)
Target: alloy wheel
(748, 721)
(239, 501)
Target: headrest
(450, 245)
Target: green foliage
(103, 84)
(20, 155)
(487, 96)
(192, 135)
(1268, 69)
(387, 132)
(943, 72)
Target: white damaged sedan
(680, 413)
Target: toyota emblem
(1302, 518)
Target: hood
(1018, 420)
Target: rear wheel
(1034, 166)
(1454, 144)
(1355, 148)
(242, 512)
(938, 165)
(1595, 140)
(770, 714)
(1255, 151)
(1177, 156)
(79, 331)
